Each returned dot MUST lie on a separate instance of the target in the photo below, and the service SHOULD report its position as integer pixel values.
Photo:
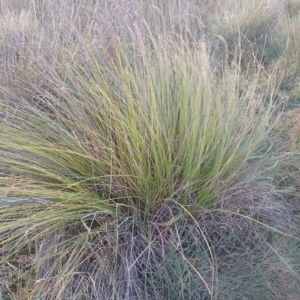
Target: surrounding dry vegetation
(150, 149)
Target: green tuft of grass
(130, 167)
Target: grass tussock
(144, 153)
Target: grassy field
(150, 149)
